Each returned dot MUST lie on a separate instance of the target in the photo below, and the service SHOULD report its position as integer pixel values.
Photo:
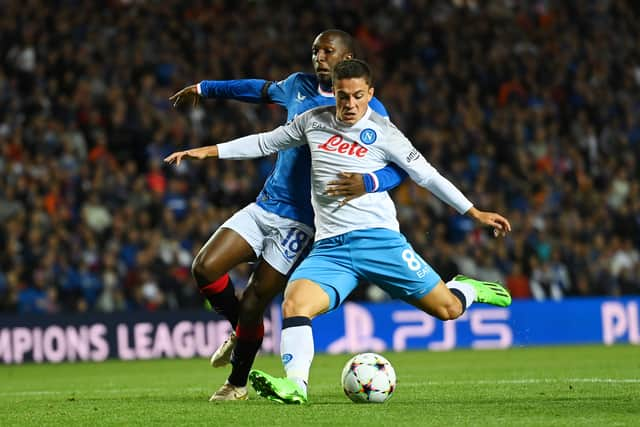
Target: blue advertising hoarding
(352, 328)
(396, 326)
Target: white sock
(296, 350)
(467, 290)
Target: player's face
(327, 50)
(352, 98)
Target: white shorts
(280, 241)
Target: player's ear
(371, 93)
(348, 56)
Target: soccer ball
(368, 378)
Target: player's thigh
(224, 250)
(329, 267)
(304, 297)
(440, 302)
(239, 239)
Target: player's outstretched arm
(499, 223)
(195, 153)
(246, 90)
(251, 146)
(247, 147)
(255, 91)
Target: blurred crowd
(531, 107)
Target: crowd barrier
(352, 328)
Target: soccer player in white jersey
(276, 229)
(359, 239)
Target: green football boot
(281, 390)
(487, 292)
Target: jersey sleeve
(280, 92)
(384, 179)
(401, 152)
(263, 144)
(247, 90)
(377, 106)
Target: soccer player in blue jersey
(276, 228)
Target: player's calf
(221, 294)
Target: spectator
(532, 106)
(518, 283)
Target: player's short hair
(352, 69)
(345, 38)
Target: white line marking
(535, 381)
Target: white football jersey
(364, 147)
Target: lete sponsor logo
(336, 144)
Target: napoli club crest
(368, 136)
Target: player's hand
(499, 223)
(348, 185)
(188, 94)
(196, 153)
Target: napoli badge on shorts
(368, 136)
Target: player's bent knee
(197, 266)
(204, 268)
(304, 298)
(291, 308)
(295, 307)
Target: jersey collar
(322, 92)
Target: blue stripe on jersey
(287, 190)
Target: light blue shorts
(378, 255)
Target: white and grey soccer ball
(368, 378)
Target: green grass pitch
(550, 386)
